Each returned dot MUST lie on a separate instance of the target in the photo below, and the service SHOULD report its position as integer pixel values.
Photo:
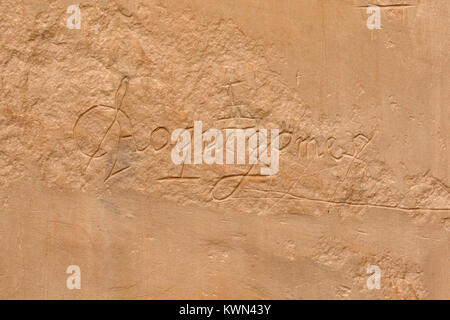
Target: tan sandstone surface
(87, 179)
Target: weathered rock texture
(364, 165)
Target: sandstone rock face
(92, 94)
